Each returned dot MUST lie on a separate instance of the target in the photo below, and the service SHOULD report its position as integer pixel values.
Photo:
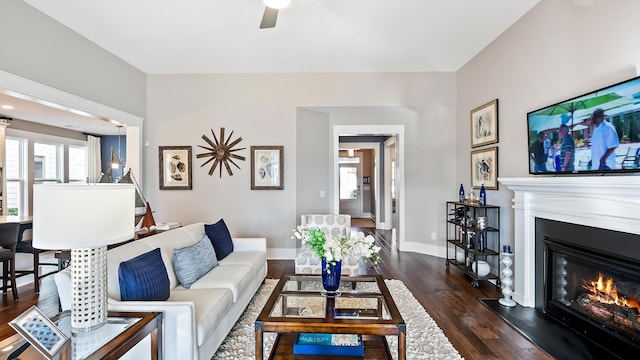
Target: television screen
(598, 132)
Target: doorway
(384, 218)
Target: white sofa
(196, 320)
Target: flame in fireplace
(604, 291)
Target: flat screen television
(598, 132)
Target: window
(78, 159)
(15, 170)
(46, 164)
(49, 166)
(349, 160)
(393, 179)
(348, 183)
(38, 167)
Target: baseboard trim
(427, 249)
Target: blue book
(328, 344)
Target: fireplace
(601, 214)
(606, 202)
(590, 282)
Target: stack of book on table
(167, 226)
(328, 344)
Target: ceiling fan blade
(269, 18)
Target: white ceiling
(311, 36)
(222, 36)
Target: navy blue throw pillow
(144, 278)
(220, 237)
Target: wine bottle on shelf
(483, 196)
(461, 194)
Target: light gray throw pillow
(193, 262)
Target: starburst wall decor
(221, 152)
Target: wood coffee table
(364, 307)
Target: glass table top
(302, 297)
(82, 344)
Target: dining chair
(8, 241)
(25, 246)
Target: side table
(123, 331)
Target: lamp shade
(115, 160)
(70, 216)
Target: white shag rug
(425, 340)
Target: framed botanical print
(267, 167)
(175, 167)
(484, 124)
(484, 168)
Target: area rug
(425, 340)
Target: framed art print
(484, 168)
(267, 167)
(484, 124)
(175, 167)
(40, 332)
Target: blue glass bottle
(480, 242)
(461, 194)
(483, 196)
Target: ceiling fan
(271, 12)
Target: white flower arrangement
(363, 247)
(335, 249)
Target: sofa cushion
(220, 238)
(254, 259)
(144, 277)
(192, 262)
(211, 306)
(233, 277)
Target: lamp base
(89, 288)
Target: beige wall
(277, 109)
(38, 48)
(556, 51)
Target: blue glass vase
(331, 276)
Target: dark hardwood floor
(476, 331)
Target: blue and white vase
(331, 276)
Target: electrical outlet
(434, 236)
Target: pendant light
(115, 159)
(277, 4)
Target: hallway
(363, 223)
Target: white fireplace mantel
(608, 202)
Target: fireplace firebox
(590, 282)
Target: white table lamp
(84, 218)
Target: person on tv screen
(567, 149)
(604, 142)
(538, 155)
(547, 145)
